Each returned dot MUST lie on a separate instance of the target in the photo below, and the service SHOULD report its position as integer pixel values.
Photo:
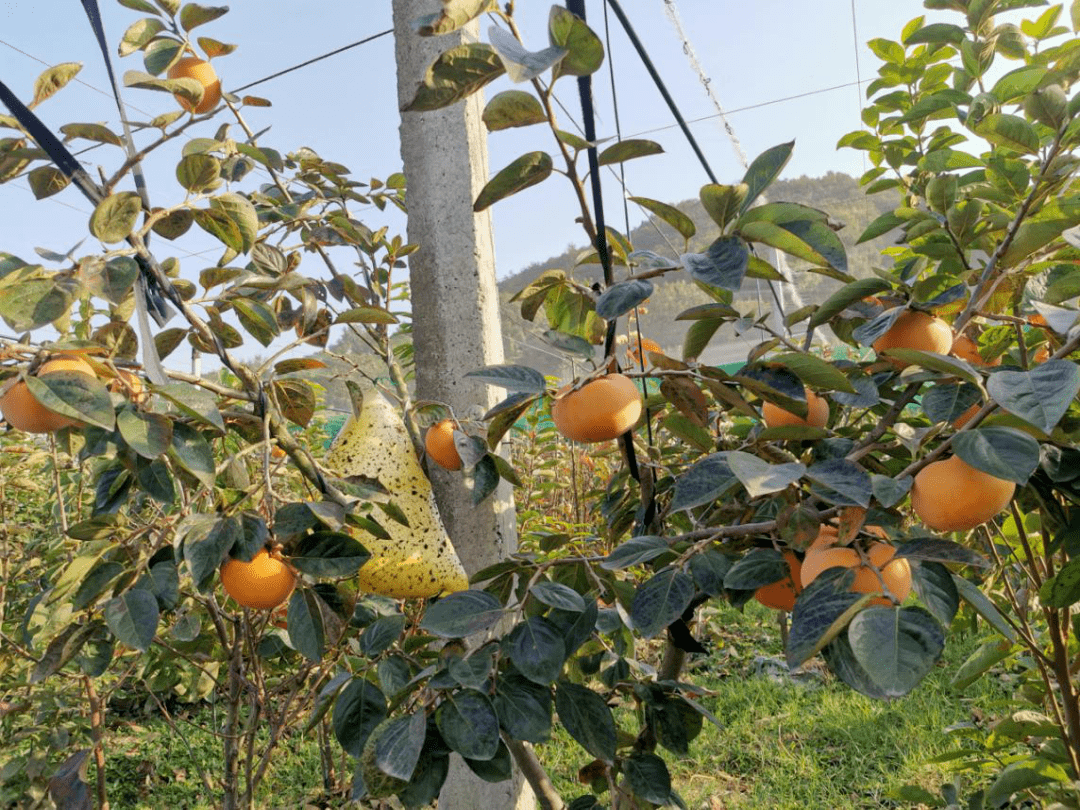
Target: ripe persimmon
(439, 443)
(967, 349)
(953, 496)
(780, 595)
(817, 413)
(916, 330)
(23, 411)
(192, 67)
(600, 410)
(263, 583)
(895, 574)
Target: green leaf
(1040, 396)
(821, 612)
(46, 180)
(814, 371)
(524, 708)
(193, 15)
(879, 227)
(462, 614)
(364, 314)
(537, 649)
(133, 618)
(584, 50)
(699, 334)
(557, 595)
(1041, 229)
(381, 634)
(138, 34)
(307, 630)
(934, 549)
(1009, 131)
(937, 33)
(980, 662)
(628, 150)
(1022, 775)
(512, 378)
(194, 402)
(1019, 82)
(760, 566)
(198, 173)
(841, 660)
(587, 718)
(723, 203)
(669, 214)
(359, 708)
(896, 646)
(844, 297)
(240, 210)
(622, 297)
(257, 319)
(648, 777)
(207, 541)
(527, 170)
(188, 89)
(455, 75)
(1063, 589)
(76, 395)
(115, 217)
(398, 746)
(933, 584)
(469, 725)
(221, 226)
(660, 601)
(983, 606)
(762, 478)
(812, 241)
(635, 551)
(329, 554)
(512, 108)
(847, 482)
(765, 168)
(947, 160)
(65, 646)
(158, 55)
(703, 482)
(1002, 452)
(722, 265)
(148, 434)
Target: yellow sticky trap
(418, 560)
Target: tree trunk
(455, 317)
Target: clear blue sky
(345, 107)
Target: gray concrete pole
(455, 318)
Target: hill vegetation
(837, 193)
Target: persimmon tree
(708, 503)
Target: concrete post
(455, 318)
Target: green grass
(807, 742)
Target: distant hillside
(837, 194)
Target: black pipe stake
(589, 115)
(660, 85)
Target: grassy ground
(804, 742)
